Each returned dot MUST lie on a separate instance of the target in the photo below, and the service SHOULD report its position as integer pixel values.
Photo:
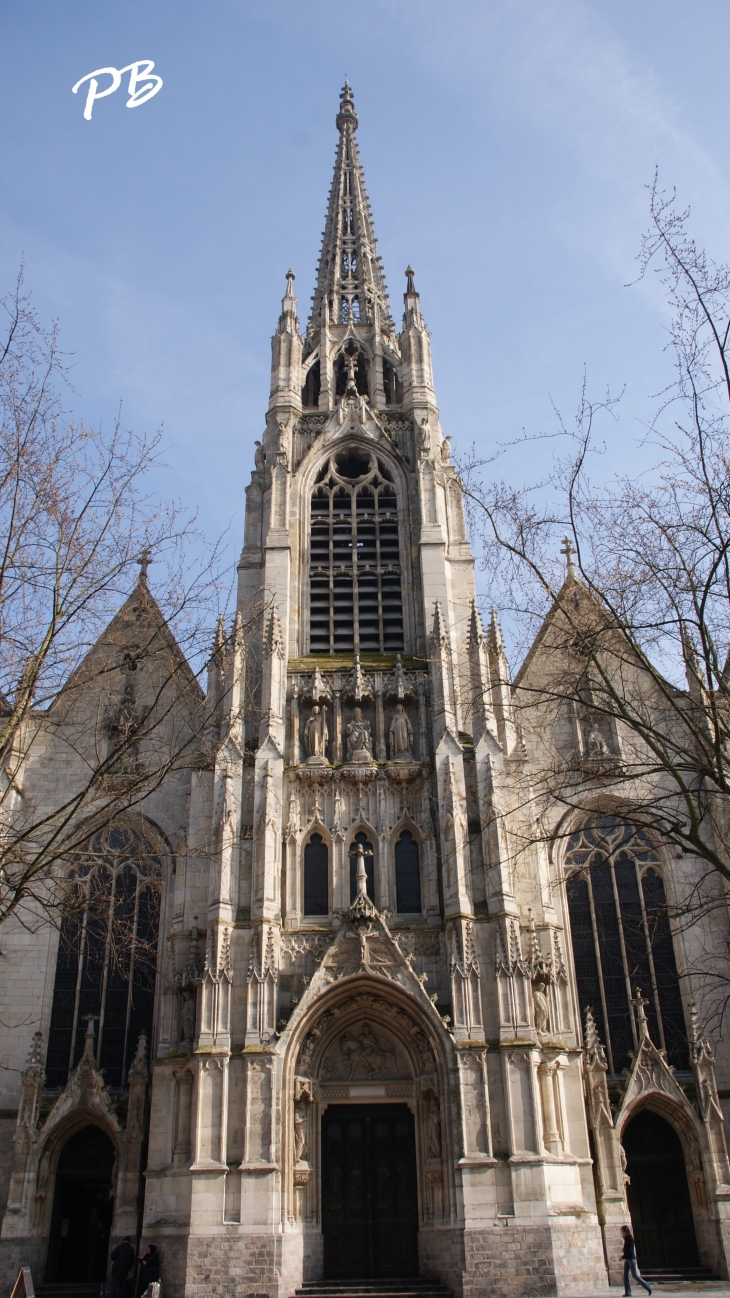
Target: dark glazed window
(369, 865)
(316, 877)
(312, 384)
(622, 940)
(407, 875)
(355, 598)
(107, 954)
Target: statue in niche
(359, 739)
(187, 1018)
(541, 1007)
(596, 743)
(433, 1128)
(259, 457)
(400, 734)
(300, 1131)
(446, 451)
(316, 734)
(424, 439)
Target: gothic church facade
(379, 1043)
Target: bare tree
(112, 692)
(624, 697)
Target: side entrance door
(369, 1191)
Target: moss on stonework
(344, 662)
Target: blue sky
(506, 146)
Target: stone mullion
(379, 574)
(355, 594)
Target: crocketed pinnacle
(349, 276)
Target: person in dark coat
(149, 1269)
(122, 1260)
(628, 1257)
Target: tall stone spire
(350, 279)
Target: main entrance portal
(369, 1195)
(82, 1210)
(659, 1202)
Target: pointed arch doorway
(78, 1244)
(369, 1192)
(658, 1193)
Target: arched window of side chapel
(622, 939)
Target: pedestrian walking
(628, 1257)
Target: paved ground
(718, 1289)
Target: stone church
(378, 1043)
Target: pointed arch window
(355, 600)
(369, 865)
(316, 877)
(107, 954)
(622, 939)
(407, 875)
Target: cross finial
(144, 561)
(568, 550)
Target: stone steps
(396, 1288)
(676, 1275)
(76, 1290)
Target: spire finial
(290, 277)
(410, 282)
(144, 561)
(347, 114)
(568, 550)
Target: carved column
(294, 754)
(380, 753)
(337, 739)
(551, 1131)
(184, 1096)
(422, 723)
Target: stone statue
(316, 734)
(424, 439)
(187, 1017)
(259, 456)
(359, 739)
(434, 1130)
(401, 733)
(446, 451)
(542, 1009)
(596, 743)
(300, 1131)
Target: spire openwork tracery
(349, 276)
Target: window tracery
(354, 563)
(107, 954)
(622, 939)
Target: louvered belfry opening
(355, 574)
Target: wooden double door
(369, 1192)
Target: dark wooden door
(369, 1191)
(659, 1202)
